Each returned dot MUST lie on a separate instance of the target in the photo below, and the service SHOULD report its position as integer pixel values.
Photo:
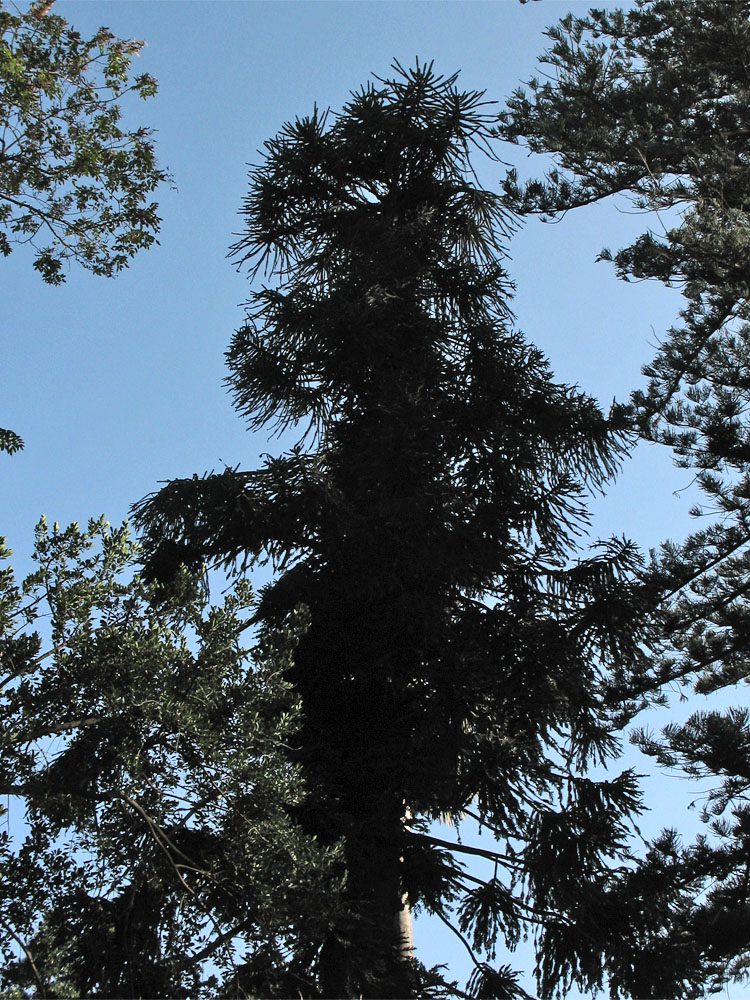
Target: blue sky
(116, 385)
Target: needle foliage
(654, 104)
(426, 524)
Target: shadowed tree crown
(425, 520)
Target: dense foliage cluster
(153, 852)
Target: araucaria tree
(654, 103)
(425, 523)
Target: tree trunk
(372, 958)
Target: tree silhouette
(425, 522)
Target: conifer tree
(425, 522)
(654, 104)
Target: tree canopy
(74, 183)
(204, 819)
(654, 104)
(142, 742)
(425, 524)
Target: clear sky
(116, 385)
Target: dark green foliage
(426, 523)
(152, 850)
(487, 983)
(73, 183)
(10, 442)
(654, 104)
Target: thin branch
(157, 833)
(28, 954)
(212, 946)
(706, 568)
(461, 938)
(465, 849)
(62, 727)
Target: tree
(425, 524)
(157, 857)
(74, 184)
(654, 104)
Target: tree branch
(28, 954)
(465, 849)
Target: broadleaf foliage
(74, 183)
(151, 849)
